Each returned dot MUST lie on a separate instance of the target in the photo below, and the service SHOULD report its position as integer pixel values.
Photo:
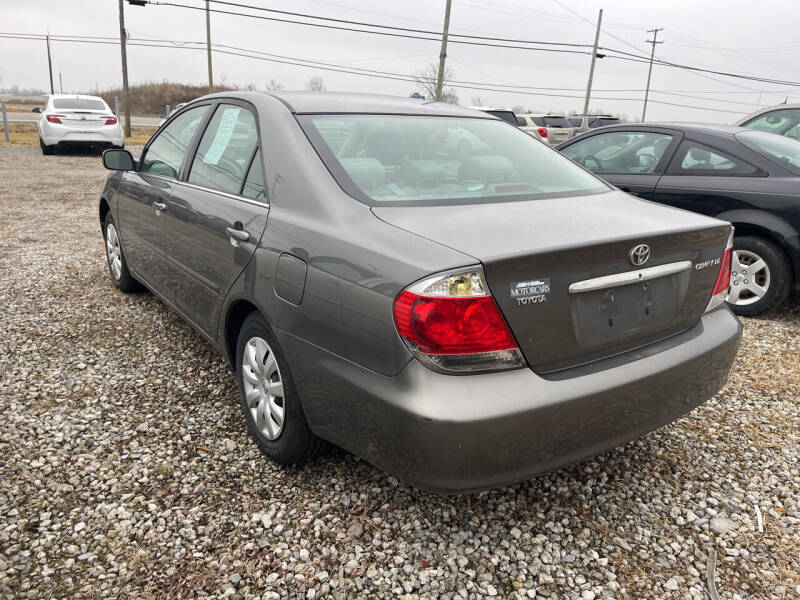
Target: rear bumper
(53, 134)
(459, 433)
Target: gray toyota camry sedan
(424, 285)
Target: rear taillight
(54, 118)
(723, 283)
(110, 120)
(542, 131)
(452, 324)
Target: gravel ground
(127, 472)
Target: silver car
(550, 129)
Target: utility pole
(60, 83)
(50, 65)
(208, 48)
(591, 69)
(443, 52)
(654, 41)
(123, 37)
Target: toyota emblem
(639, 255)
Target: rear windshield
(603, 121)
(575, 121)
(79, 104)
(552, 121)
(423, 160)
(779, 149)
(505, 115)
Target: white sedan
(80, 120)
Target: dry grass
(27, 134)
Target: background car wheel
(270, 404)
(117, 266)
(46, 150)
(761, 276)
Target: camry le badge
(639, 255)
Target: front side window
(426, 159)
(165, 153)
(782, 150)
(620, 152)
(225, 150)
(695, 159)
(782, 122)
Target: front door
(216, 214)
(143, 196)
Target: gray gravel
(126, 470)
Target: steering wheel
(591, 158)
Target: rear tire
(273, 412)
(118, 271)
(763, 266)
(46, 150)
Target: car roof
(307, 102)
(541, 115)
(726, 130)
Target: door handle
(159, 206)
(237, 235)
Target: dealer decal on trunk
(534, 291)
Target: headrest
(386, 145)
(486, 168)
(366, 172)
(699, 154)
(420, 172)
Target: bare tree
(519, 109)
(426, 80)
(477, 101)
(273, 86)
(316, 84)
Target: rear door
(143, 196)
(216, 214)
(632, 160)
(707, 180)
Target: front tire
(118, 271)
(269, 399)
(761, 276)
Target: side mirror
(118, 159)
(36, 109)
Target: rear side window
(79, 104)
(225, 150)
(695, 159)
(602, 122)
(254, 184)
(165, 153)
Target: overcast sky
(742, 36)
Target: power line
(332, 67)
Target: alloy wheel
(113, 251)
(750, 278)
(263, 387)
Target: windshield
(79, 104)
(410, 159)
(779, 149)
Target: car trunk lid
(83, 119)
(534, 251)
